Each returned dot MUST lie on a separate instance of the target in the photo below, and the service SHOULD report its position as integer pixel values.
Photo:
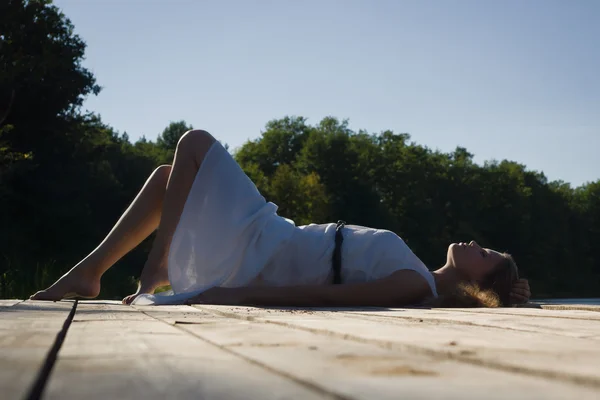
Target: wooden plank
(569, 307)
(536, 354)
(553, 326)
(27, 332)
(9, 302)
(354, 369)
(115, 351)
(531, 312)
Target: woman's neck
(447, 278)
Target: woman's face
(472, 260)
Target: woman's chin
(454, 247)
(454, 253)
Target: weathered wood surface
(575, 327)
(586, 307)
(533, 353)
(586, 312)
(116, 351)
(27, 332)
(352, 368)
(9, 303)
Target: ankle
(94, 266)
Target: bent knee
(196, 141)
(162, 173)
(163, 170)
(195, 138)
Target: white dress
(367, 254)
(228, 235)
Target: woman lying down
(220, 242)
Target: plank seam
(568, 307)
(518, 315)
(264, 366)
(12, 305)
(364, 317)
(438, 354)
(37, 389)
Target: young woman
(219, 241)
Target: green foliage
(66, 177)
(170, 136)
(430, 198)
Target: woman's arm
(401, 288)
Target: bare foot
(78, 282)
(154, 275)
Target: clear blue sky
(507, 79)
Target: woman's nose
(473, 243)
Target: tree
(39, 50)
(170, 136)
(279, 144)
(62, 181)
(430, 198)
(65, 177)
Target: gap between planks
(118, 351)
(579, 328)
(357, 369)
(31, 335)
(9, 303)
(307, 384)
(574, 313)
(488, 362)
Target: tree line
(66, 176)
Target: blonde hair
(493, 292)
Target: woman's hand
(219, 295)
(520, 292)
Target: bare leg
(191, 149)
(137, 223)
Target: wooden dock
(105, 350)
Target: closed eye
(484, 253)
